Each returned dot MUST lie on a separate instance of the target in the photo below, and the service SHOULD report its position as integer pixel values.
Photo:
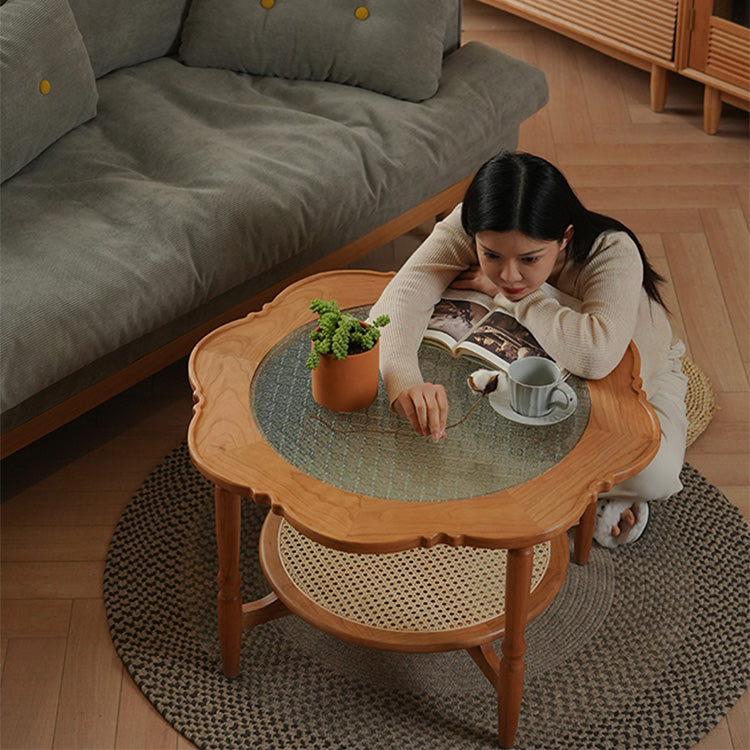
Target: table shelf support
(486, 658)
(270, 607)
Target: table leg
(583, 536)
(228, 516)
(510, 683)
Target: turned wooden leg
(659, 87)
(583, 536)
(510, 681)
(228, 514)
(711, 109)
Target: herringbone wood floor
(684, 192)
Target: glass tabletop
(376, 453)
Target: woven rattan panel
(375, 453)
(416, 591)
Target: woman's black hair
(518, 191)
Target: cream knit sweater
(589, 343)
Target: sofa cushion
(390, 46)
(48, 84)
(118, 34)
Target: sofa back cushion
(48, 85)
(394, 47)
(453, 29)
(118, 34)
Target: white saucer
(501, 404)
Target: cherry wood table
(365, 483)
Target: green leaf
(313, 360)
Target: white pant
(661, 478)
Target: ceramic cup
(534, 387)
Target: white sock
(608, 514)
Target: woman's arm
(410, 297)
(589, 343)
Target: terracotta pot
(347, 384)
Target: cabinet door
(646, 25)
(720, 40)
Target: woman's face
(518, 265)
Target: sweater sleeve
(412, 294)
(590, 342)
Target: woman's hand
(473, 278)
(426, 407)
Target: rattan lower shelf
(423, 599)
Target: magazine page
(456, 315)
(468, 322)
(501, 340)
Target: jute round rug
(647, 647)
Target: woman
(519, 230)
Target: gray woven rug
(647, 647)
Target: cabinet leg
(510, 679)
(228, 513)
(711, 109)
(659, 87)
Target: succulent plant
(339, 333)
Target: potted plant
(344, 358)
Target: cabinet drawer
(647, 25)
(728, 54)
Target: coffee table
(353, 493)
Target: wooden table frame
(621, 438)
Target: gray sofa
(168, 166)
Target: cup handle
(560, 398)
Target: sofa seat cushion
(193, 182)
(390, 46)
(48, 84)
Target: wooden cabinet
(638, 32)
(706, 40)
(716, 52)
(642, 28)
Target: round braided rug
(647, 647)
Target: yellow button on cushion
(267, 4)
(44, 86)
(362, 13)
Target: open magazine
(468, 322)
